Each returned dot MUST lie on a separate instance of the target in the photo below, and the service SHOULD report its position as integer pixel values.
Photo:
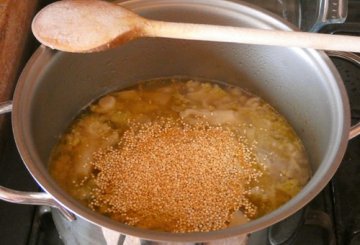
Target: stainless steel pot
(302, 84)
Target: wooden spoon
(94, 25)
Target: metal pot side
(302, 84)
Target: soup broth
(181, 156)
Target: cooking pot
(302, 84)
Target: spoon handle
(251, 36)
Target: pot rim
(301, 199)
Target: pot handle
(353, 58)
(33, 198)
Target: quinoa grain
(174, 176)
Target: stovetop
(333, 217)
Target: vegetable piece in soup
(181, 156)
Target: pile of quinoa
(172, 176)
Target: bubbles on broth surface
(181, 156)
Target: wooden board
(15, 22)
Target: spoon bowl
(85, 26)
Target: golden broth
(181, 156)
